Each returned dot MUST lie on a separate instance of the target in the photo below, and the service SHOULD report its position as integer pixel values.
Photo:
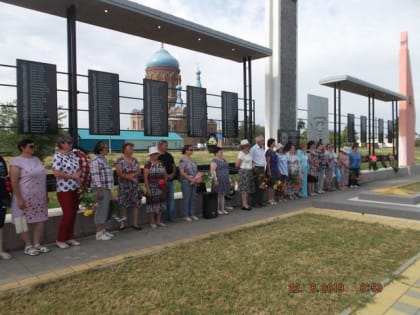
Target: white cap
(278, 146)
(153, 150)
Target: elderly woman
(188, 171)
(246, 184)
(344, 164)
(102, 182)
(313, 168)
(272, 170)
(30, 199)
(155, 178)
(127, 168)
(65, 166)
(220, 183)
(4, 201)
(294, 169)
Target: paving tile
(394, 312)
(410, 301)
(406, 308)
(413, 293)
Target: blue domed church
(164, 67)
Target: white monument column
(281, 67)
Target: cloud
(360, 38)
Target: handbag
(201, 188)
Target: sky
(356, 37)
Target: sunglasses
(31, 146)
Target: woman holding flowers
(155, 178)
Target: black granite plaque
(350, 128)
(230, 114)
(36, 97)
(104, 103)
(197, 111)
(380, 130)
(390, 131)
(284, 136)
(363, 129)
(155, 100)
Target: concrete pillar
(281, 67)
(407, 110)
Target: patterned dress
(32, 185)
(128, 191)
(222, 174)
(294, 171)
(313, 170)
(156, 203)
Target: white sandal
(42, 249)
(5, 256)
(31, 251)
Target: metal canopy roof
(360, 87)
(138, 20)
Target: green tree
(259, 130)
(9, 136)
(343, 137)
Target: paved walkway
(399, 297)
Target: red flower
(161, 182)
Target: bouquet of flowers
(279, 186)
(162, 185)
(263, 181)
(372, 161)
(87, 201)
(198, 178)
(295, 182)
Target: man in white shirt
(258, 158)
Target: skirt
(246, 181)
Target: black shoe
(246, 209)
(138, 227)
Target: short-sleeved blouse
(190, 168)
(246, 159)
(68, 164)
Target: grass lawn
(266, 269)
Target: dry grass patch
(250, 271)
(405, 190)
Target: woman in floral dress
(155, 178)
(127, 169)
(30, 199)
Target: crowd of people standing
(280, 172)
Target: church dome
(162, 58)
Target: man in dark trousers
(168, 161)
